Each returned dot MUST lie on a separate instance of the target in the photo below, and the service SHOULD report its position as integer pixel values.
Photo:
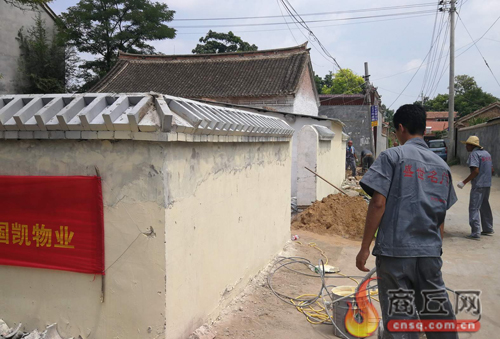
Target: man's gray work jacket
(418, 187)
(481, 159)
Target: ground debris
(50, 332)
(335, 214)
(203, 332)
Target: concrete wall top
(139, 116)
(324, 133)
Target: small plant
(477, 121)
(42, 61)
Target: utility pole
(451, 100)
(368, 89)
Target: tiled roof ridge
(242, 58)
(230, 55)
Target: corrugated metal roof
(134, 113)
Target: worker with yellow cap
(481, 170)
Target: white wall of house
(306, 99)
(303, 102)
(12, 19)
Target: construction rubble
(351, 183)
(50, 332)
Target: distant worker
(366, 160)
(411, 191)
(481, 169)
(350, 158)
(395, 144)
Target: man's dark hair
(412, 117)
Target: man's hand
(361, 259)
(461, 185)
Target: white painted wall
(220, 211)
(305, 99)
(11, 21)
(307, 156)
(325, 157)
(338, 154)
(297, 123)
(134, 200)
(228, 215)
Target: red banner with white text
(52, 222)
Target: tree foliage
(215, 42)
(104, 27)
(345, 81)
(469, 97)
(41, 66)
(388, 115)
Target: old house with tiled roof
(437, 122)
(481, 115)
(278, 79)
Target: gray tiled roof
(252, 74)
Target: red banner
(52, 222)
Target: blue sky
(393, 48)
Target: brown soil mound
(335, 214)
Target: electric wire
(309, 21)
(431, 46)
(435, 64)
(313, 14)
(439, 64)
(317, 26)
(475, 44)
(287, 25)
(314, 306)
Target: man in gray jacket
(411, 191)
(481, 169)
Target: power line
(289, 8)
(310, 21)
(436, 39)
(409, 82)
(430, 48)
(284, 18)
(475, 44)
(321, 26)
(314, 14)
(438, 63)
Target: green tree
(215, 42)
(41, 66)
(388, 115)
(469, 97)
(345, 81)
(104, 27)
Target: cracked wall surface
(228, 214)
(134, 200)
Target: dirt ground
(258, 313)
(467, 264)
(335, 214)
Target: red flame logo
(362, 320)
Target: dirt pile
(335, 214)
